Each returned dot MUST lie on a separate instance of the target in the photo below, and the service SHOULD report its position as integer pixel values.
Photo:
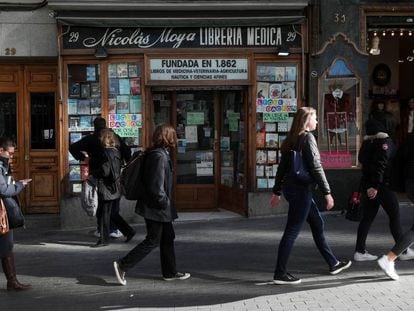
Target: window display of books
(276, 103)
(83, 106)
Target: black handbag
(298, 169)
(354, 210)
(14, 212)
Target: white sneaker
(97, 233)
(388, 267)
(120, 274)
(364, 256)
(116, 234)
(407, 255)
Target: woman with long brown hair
(157, 208)
(302, 206)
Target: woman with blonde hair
(157, 208)
(302, 206)
(109, 191)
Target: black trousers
(114, 210)
(158, 234)
(389, 201)
(105, 217)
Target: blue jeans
(302, 207)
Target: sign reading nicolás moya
(75, 37)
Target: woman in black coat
(157, 208)
(9, 189)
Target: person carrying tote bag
(299, 194)
(9, 189)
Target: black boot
(9, 269)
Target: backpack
(89, 196)
(109, 187)
(132, 186)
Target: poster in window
(227, 158)
(191, 134)
(112, 105)
(261, 157)
(113, 86)
(272, 140)
(112, 71)
(225, 143)
(270, 127)
(288, 90)
(283, 127)
(260, 140)
(122, 70)
(269, 171)
(84, 106)
(262, 90)
(135, 84)
(290, 74)
(133, 70)
(71, 159)
(74, 90)
(270, 182)
(85, 122)
(85, 90)
(272, 156)
(74, 123)
(274, 167)
(122, 104)
(280, 73)
(91, 73)
(95, 90)
(261, 183)
(72, 106)
(95, 106)
(124, 86)
(227, 176)
(135, 104)
(259, 170)
(275, 90)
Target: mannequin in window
(336, 103)
(375, 50)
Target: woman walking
(157, 208)
(9, 189)
(302, 206)
(109, 191)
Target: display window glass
(338, 116)
(83, 106)
(125, 102)
(276, 103)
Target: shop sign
(174, 38)
(275, 116)
(193, 69)
(125, 125)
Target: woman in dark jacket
(109, 191)
(9, 189)
(302, 206)
(157, 208)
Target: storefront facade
(222, 83)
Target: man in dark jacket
(89, 147)
(375, 155)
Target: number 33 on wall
(339, 18)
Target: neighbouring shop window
(83, 106)
(161, 108)
(42, 120)
(339, 109)
(232, 146)
(125, 102)
(276, 102)
(8, 120)
(195, 133)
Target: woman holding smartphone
(9, 189)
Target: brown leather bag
(4, 222)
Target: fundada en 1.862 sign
(173, 38)
(198, 69)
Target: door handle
(43, 167)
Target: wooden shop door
(28, 110)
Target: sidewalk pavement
(231, 260)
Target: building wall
(28, 34)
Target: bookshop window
(125, 102)
(276, 103)
(84, 105)
(338, 115)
